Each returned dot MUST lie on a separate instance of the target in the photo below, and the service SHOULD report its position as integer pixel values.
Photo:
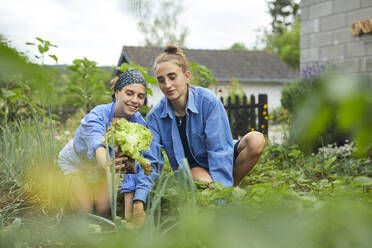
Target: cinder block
(332, 52)
(345, 5)
(309, 55)
(320, 10)
(320, 39)
(369, 47)
(369, 64)
(311, 26)
(366, 64)
(366, 3)
(304, 43)
(308, 2)
(347, 65)
(342, 36)
(304, 14)
(370, 79)
(333, 22)
(355, 49)
(358, 15)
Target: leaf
(41, 49)
(7, 93)
(363, 180)
(40, 39)
(30, 44)
(238, 192)
(54, 57)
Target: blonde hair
(172, 52)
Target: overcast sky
(97, 29)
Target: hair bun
(171, 49)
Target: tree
(284, 14)
(284, 38)
(158, 21)
(87, 84)
(238, 46)
(286, 45)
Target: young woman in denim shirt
(191, 122)
(83, 159)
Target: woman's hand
(138, 215)
(121, 163)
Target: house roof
(243, 65)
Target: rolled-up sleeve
(128, 184)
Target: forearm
(101, 156)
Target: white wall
(273, 91)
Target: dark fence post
(263, 113)
(252, 113)
(245, 116)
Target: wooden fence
(245, 117)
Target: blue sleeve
(128, 184)
(144, 183)
(219, 144)
(92, 129)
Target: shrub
(306, 88)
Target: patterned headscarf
(132, 76)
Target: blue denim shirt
(207, 130)
(88, 137)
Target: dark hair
(172, 52)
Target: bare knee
(254, 141)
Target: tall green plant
(87, 84)
(201, 76)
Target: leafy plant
(87, 84)
(201, 76)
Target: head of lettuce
(132, 139)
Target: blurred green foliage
(343, 102)
(87, 85)
(23, 84)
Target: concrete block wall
(326, 35)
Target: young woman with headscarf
(83, 159)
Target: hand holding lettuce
(132, 139)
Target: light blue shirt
(207, 130)
(88, 137)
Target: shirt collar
(168, 111)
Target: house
(339, 33)
(258, 72)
